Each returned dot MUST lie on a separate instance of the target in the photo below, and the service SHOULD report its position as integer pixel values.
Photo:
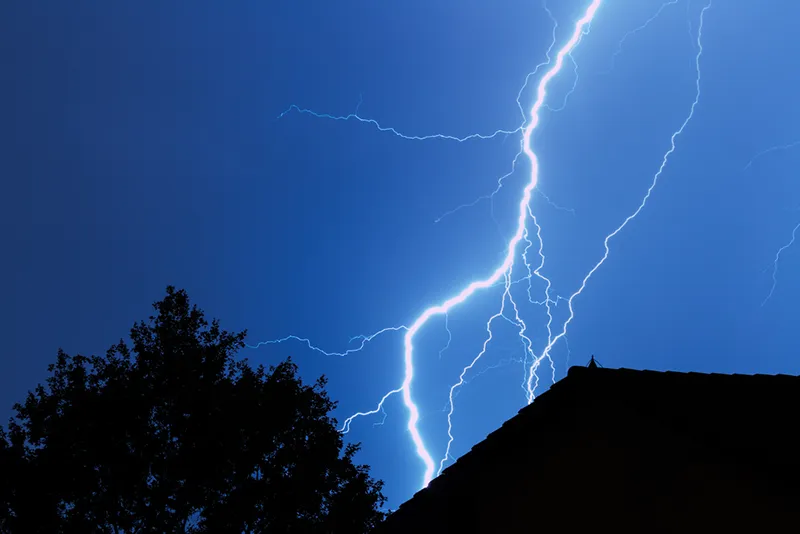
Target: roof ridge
(579, 378)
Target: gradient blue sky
(141, 147)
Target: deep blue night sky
(141, 147)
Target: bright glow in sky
(441, 207)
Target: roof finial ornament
(592, 363)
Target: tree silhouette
(174, 434)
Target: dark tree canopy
(172, 433)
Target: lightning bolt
(502, 273)
(507, 264)
(517, 321)
(633, 215)
(553, 204)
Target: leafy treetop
(172, 433)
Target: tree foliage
(172, 433)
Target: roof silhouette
(745, 420)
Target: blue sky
(141, 146)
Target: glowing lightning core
(504, 271)
(447, 305)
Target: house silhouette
(620, 450)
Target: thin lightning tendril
(571, 90)
(764, 152)
(346, 425)
(449, 335)
(490, 196)
(775, 263)
(768, 150)
(307, 342)
(553, 204)
(636, 30)
(501, 363)
(355, 116)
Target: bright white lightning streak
(505, 268)
(632, 216)
(346, 425)
(775, 263)
(507, 264)
(518, 322)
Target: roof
(751, 414)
